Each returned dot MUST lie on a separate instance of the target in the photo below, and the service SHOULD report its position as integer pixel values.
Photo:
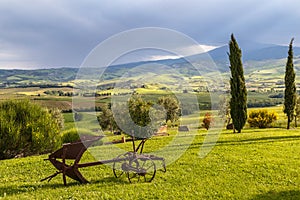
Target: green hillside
(258, 164)
(260, 75)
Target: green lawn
(256, 164)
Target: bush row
(256, 118)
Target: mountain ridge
(255, 57)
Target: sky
(61, 33)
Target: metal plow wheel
(121, 164)
(141, 169)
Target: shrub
(72, 135)
(27, 128)
(171, 106)
(207, 121)
(261, 118)
(106, 119)
(69, 135)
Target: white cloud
(156, 54)
(197, 49)
(161, 57)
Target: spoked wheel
(141, 169)
(121, 164)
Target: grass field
(257, 164)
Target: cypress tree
(290, 87)
(238, 101)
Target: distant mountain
(255, 57)
(251, 52)
(16, 77)
(254, 51)
(270, 53)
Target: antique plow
(135, 165)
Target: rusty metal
(135, 164)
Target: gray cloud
(52, 33)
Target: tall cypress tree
(238, 101)
(290, 87)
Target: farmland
(256, 164)
(264, 81)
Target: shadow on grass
(252, 141)
(291, 195)
(10, 190)
(110, 181)
(263, 140)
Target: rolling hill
(261, 60)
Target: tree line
(143, 116)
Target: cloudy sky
(55, 33)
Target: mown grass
(256, 164)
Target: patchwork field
(256, 164)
